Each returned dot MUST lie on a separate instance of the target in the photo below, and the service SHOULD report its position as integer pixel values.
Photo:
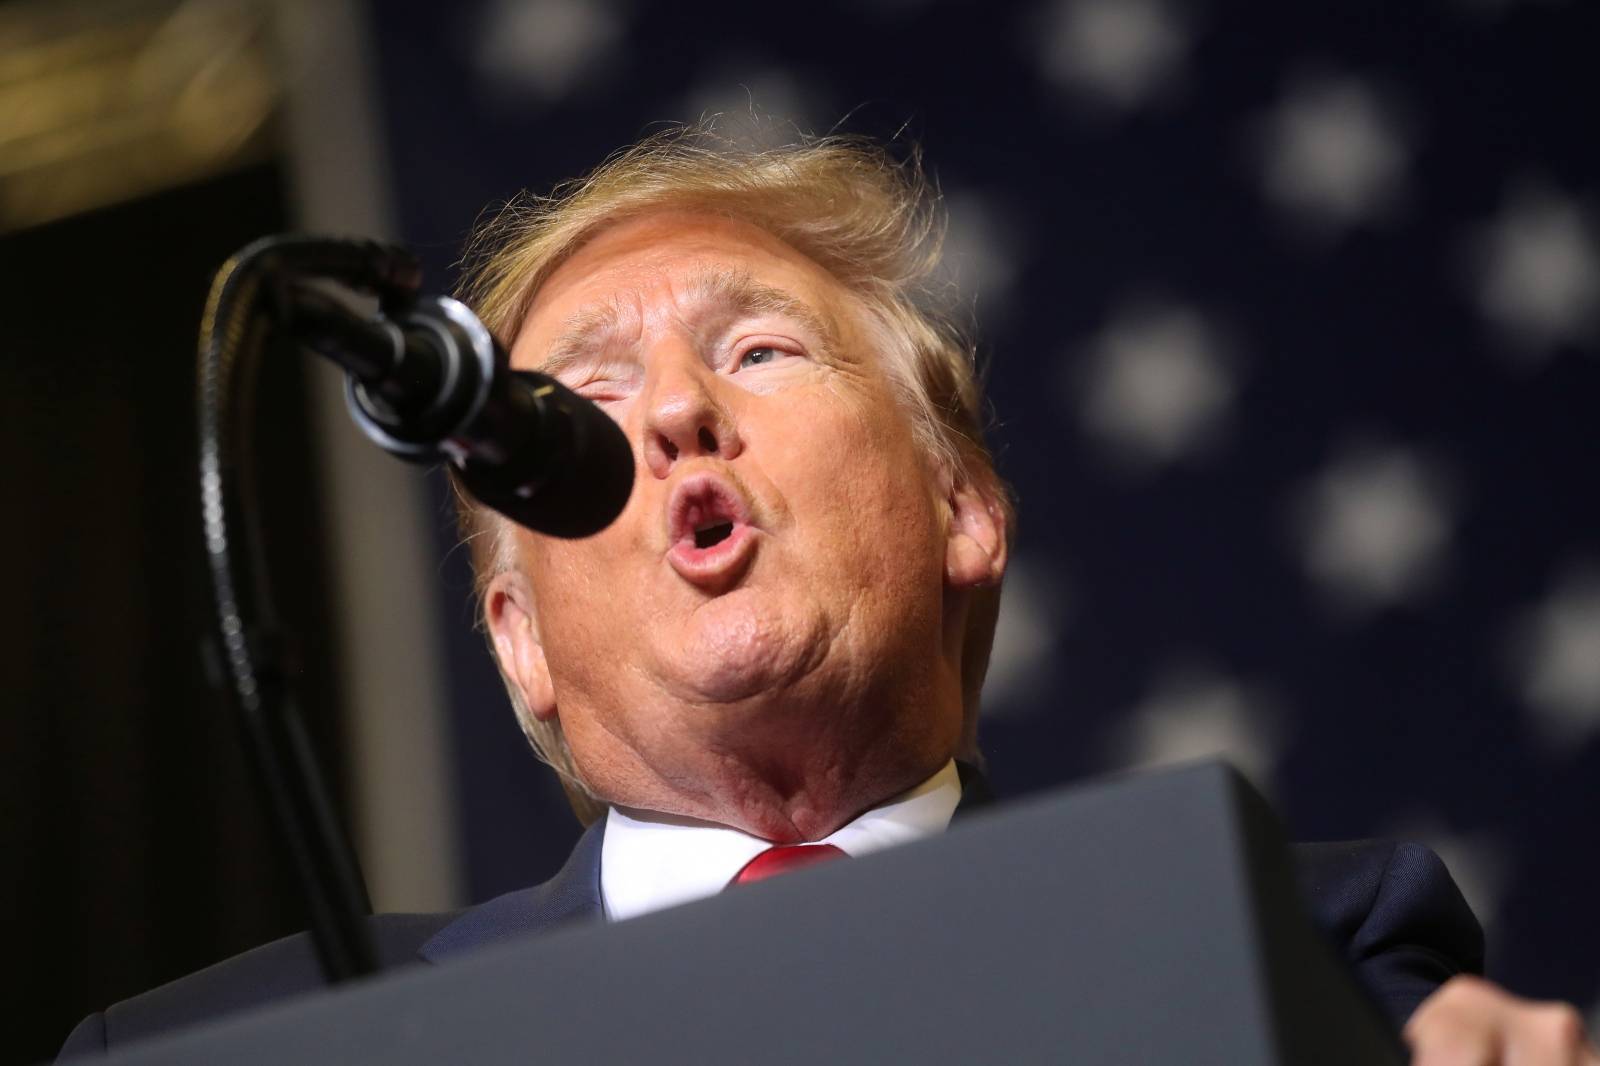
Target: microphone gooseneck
(428, 383)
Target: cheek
(864, 490)
(571, 580)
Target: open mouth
(709, 531)
(704, 511)
(706, 536)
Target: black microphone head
(569, 476)
(585, 493)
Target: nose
(682, 417)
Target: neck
(787, 793)
(930, 784)
(788, 771)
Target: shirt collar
(649, 861)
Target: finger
(1455, 1049)
(1541, 1034)
(1457, 1026)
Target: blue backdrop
(1291, 312)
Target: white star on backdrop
(1332, 154)
(1033, 607)
(981, 250)
(1539, 270)
(1555, 651)
(545, 48)
(762, 104)
(1114, 53)
(1477, 861)
(1193, 712)
(1374, 527)
(1157, 385)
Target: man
(782, 639)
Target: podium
(1149, 919)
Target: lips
(709, 531)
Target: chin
(737, 648)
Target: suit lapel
(975, 791)
(572, 895)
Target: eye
(602, 390)
(758, 356)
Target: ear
(975, 542)
(508, 610)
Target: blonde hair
(874, 223)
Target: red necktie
(783, 858)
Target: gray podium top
(1152, 919)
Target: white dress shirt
(649, 861)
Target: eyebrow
(585, 332)
(718, 298)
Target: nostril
(670, 448)
(708, 440)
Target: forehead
(667, 260)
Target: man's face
(776, 592)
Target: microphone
(427, 382)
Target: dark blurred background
(1291, 313)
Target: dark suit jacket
(1390, 908)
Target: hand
(1470, 1022)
